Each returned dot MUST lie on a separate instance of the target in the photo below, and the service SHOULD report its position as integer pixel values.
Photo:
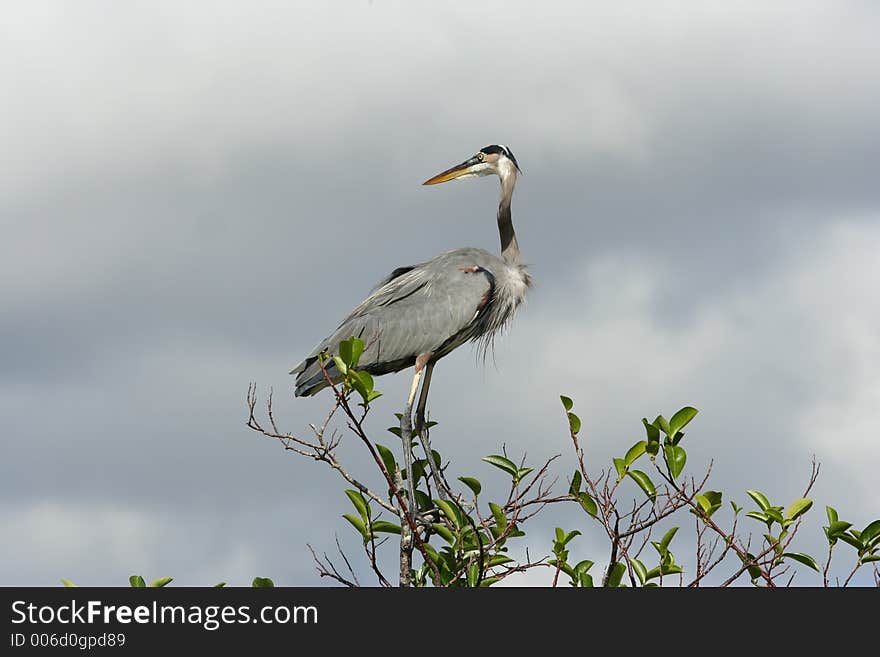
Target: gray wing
(431, 307)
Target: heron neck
(509, 246)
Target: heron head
(495, 159)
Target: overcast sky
(192, 198)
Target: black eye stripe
(499, 149)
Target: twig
(329, 570)
(857, 566)
(827, 565)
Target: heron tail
(310, 379)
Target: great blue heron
(420, 313)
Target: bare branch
(326, 568)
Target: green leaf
(672, 569)
(522, 473)
(359, 503)
(574, 423)
(471, 483)
(652, 431)
(736, 507)
(450, 511)
(444, 532)
(644, 482)
(564, 567)
(566, 402)
(754, 570)
(661, 423)
(575, 486)
(870, 558)
(775, 513)
(640, 570)
(704, 503)
(651, 574)
(137, 582)
(387, 458)
(560, 536)
(635, 452)
(345, 351)
(159, 583)
(680, 420)
(676, 457)
(350, 350)
(503, 463)
(757, 515)
(219, 585)
(340, 365)
(418, 470)
(262, 583)
(363, 383)
(583, 566)
(837, 528)
(423, 501)
(473, 574)
(569, 536)
(385, 526)
(616, 575)
(851, 540)
(760, 499)
(832, 514)
(798, 508)
(68, 583)
(498, 560)
(805, 559)
(588, 503)
(715, 497)
(358, 385)
(620, 466)
(710, 501)
(667, 538)
(870, 532)
(498, 513)
(358, 524)
(357, 348)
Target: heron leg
(422, 431)
(406, 439)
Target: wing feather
(428, 307)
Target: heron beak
(457, 171)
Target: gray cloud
(194, 200)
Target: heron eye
(480, 156)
